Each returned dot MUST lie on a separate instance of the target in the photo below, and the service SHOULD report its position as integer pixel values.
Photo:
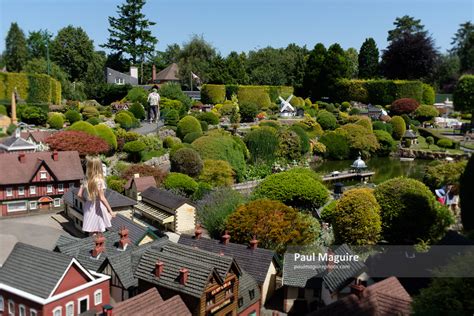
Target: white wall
(185, 219)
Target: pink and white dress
(96, 216)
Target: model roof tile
(169, 73)
(141, 183)
(67, 168)
(164, 199)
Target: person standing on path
(154, 109)
(97, 210)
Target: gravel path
(148, 128)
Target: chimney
(18, 132)
(124, 240)
(254, 243)
(133, 72)
(55, 156)
(330, 263)
(183, 276)
(159, 266)
(153, 74)
(107, 310)
(22, 158)
(198, 232)
(136, 175)
(99, 241)
(13, 109)
(225, 238)
(357, 289)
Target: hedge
(428, 94)
(106, 133)
(381, 91)
(213, 93)
(33, 88)
(437, 137)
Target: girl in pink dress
(97, 211)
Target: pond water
(385, 168)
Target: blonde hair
(94, 176)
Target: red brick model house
(39, 282)
(37, 181)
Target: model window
(252, 294)
(2, 307)
(70, 309)
(57, 311)
(9, 192)
(83, 304)
(11, 308)
(98, 297)
(33, 312)
(22, 310)
(21, 190)
(49, 188)
(61, 187)
(43, 175)
(33, 189)
(57, 202)
(16, 206)
(33, 205)
(241, 302)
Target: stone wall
(429, 155)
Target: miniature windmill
(286, 109)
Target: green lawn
(422, 145)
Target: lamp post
(47, 54)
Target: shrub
(204, 126)
(311, 127)
(242, 146)
(56, 121)
(173, 91)
(299, 188)
(430, 140)
(181, 183)
(144, 171)
(365, 122)
(212, 93)
(356, 218)
(337, 146)
(187, 161)
(116, 183)
(276, 225)
(133, 149)
(403, 106)
(137, 95)
(106, 133)
(137, 110)
(382, 126)
(172, 118)
(215, 207)
(79, 141)
(304, 139)
(90, 111)
(425, 113)
(171, 141)
(257, 171)
(94, 121)
(248, 111)
(221, 147)
(217, 173)
(386, 142)
(445, 143)
(440, 173)
(73, 116)
(360, 139)
(34, 88)
(151, 141)
(83, 127)
(188, 124)
(410, 211)
(463, 96)
(124, 120)
(289, 145)
(208, 117)
(351, 90)
(3, 109)
(32, 114)
(467, 195)
(327, 120)
(428, 94)
(327, 214)
(189, 138)
(399, 127)
(262, 144)
(425, 132)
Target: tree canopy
(16, 51)
(368, 59)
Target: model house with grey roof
(306, 288)
(37, 282)
(136, 185)
(260, 263)
(17, 144)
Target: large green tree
(353, 60)
(368, 59)
(237, 68)
(16, 51)
(447, 72)
(38, 42)
(266, 66)
(313, 83)
(130, 32)
(405, 25)
(336, 66)
(463, 96)
(196, 57)
(463, 46)
(72, 50)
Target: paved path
(37, 230)
(148, 128)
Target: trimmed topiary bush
(410, 211)
(73, 116)
(262, 144)
(171, 118)
(187, 161)
(204, 126)
(289, 145)
(360, 139)
(56, 121)
(79, 141)
(356, 218)
(382, 126)
(106, 133)
(189, 138)
(133, 149)
(137, 109)
(188, 124)
(83, 127)
(445, 143)
(125, 121)
(94, 120)
(90, 111)
(426, 113)
(181, 183)
(399, 127)
(212, 93)
(217, 173)
(171, 141)
(327, 120)
(248, 111)
(403, 106)
(208, 117)
(337, 146)
(428, 94)
(298, 188)
(386, 142)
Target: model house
(31, 182)
(38, 137)
(208, 283)
(169, 74)
(74, 205)
(260, 263)
(139, 234)
(167, 210)
(116, 77)
(306, 290)
(136, 185)
(39, 282)
(17, 144)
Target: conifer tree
(16, 51)
(368, 59)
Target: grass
(147, 155)
(423, 145)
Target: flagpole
(191, 80)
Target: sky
(247, 24)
